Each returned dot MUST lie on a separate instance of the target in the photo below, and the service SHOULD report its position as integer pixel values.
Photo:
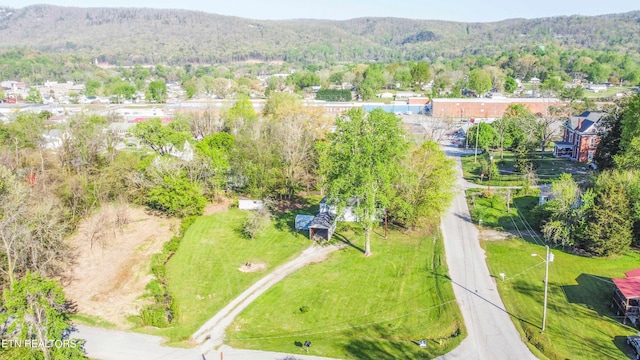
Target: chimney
(579, 123)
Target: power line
(305, 333)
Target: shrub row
(164, 309)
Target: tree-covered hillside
(135, 35)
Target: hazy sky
(459, 10)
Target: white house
(186, 154)
(247, 204)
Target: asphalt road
(107, 344)
(491, 333)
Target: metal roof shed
(303, 221)
(322, 227)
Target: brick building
(580, 137)
(466, 108)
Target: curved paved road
(491, 333)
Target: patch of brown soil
(222, 205)
(252, 267)
(494, 235)
(113, 254)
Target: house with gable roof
(580, 138)
(626, 296)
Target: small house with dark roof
(322, 227)
(580, 138)
(626, 296)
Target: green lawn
(580, 321)
(611, 91)
(203, 274)
(549, 168)
(493, 210)
(355, 307)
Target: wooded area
(127, 36)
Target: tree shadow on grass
(594, 293)
(378, 342)
(347, 242)
(285, 213)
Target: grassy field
(203, 274)
(580, 321)
(549, 168)
(493, 210)
(611, 91)
(354, 307)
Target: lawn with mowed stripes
(204, 273)
(351, 306)
(581, 322)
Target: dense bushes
(164, 309)
(177, 196)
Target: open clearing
(580, 321)
(112, 262)
(205, 273)
(350, 306)
(548, 169)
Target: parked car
(634, 342)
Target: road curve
(491, 332)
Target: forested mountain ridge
(141, 35)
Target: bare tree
(295, 130)
(32, 231)
(202, 123)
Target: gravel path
(211, 334)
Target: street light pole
(547, 260)
(546, 289)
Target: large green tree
(159, 138)
(485, 134)
(420, 73)
(241, 114)
(558, 229)
(216, 149)
(33, 96)
(363, 161)
(157, 91)
(510, 85)
(512, 127)
(177, 196)
(609, 226)
(424, 188)
(480, 81)
(36, 310)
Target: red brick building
(580, 137)
(466, 108)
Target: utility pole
(546, 289)
(549, 258)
